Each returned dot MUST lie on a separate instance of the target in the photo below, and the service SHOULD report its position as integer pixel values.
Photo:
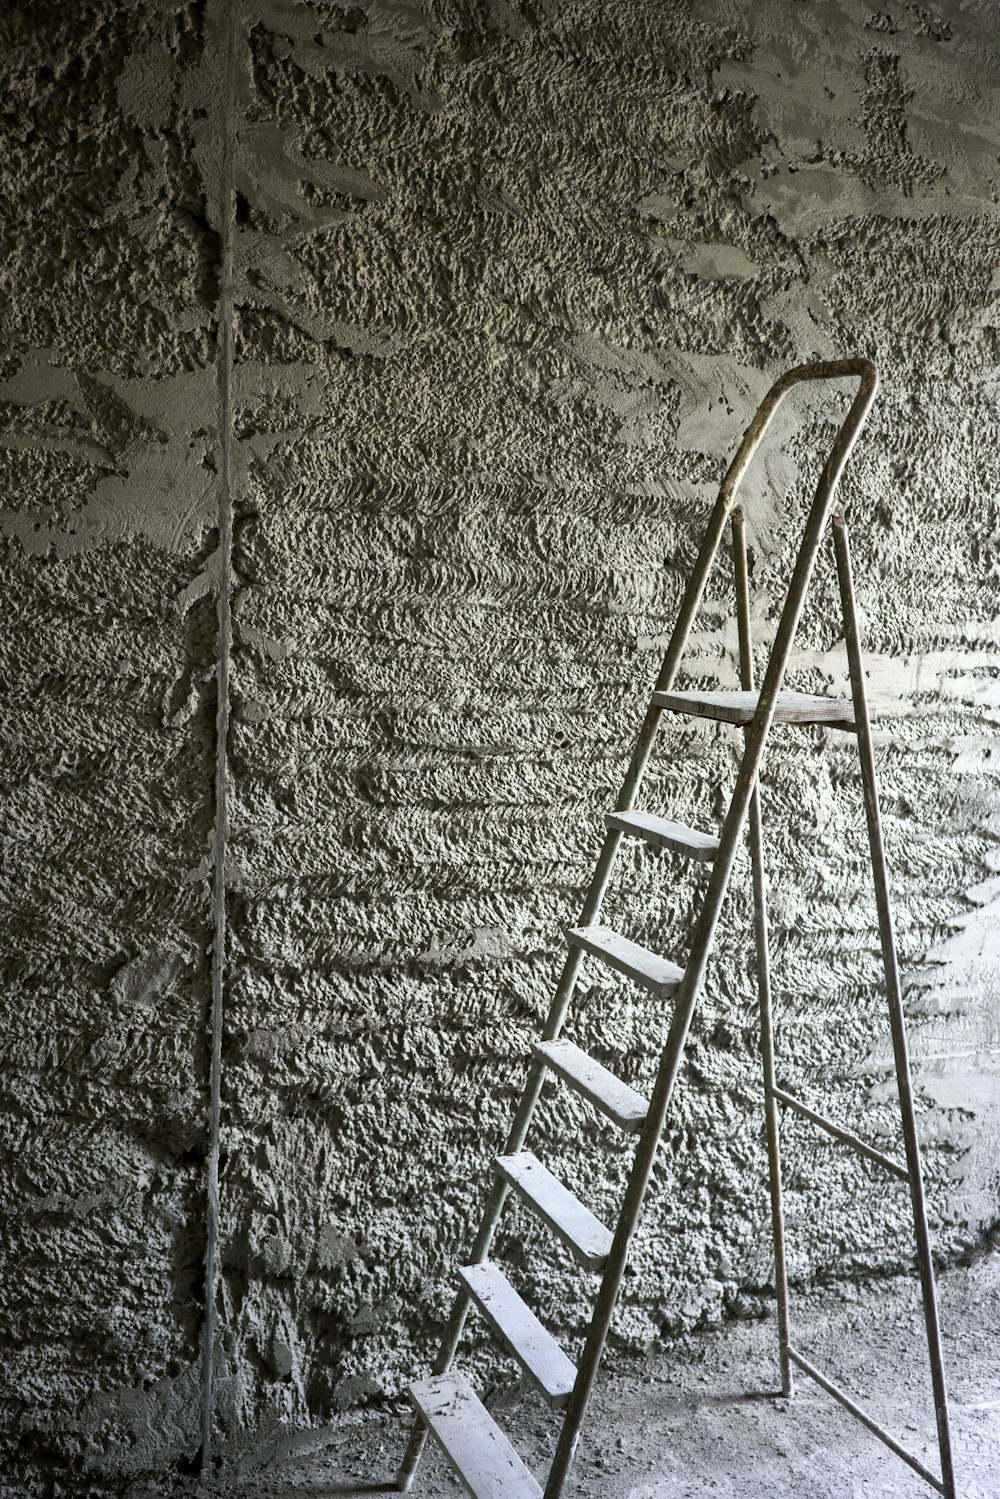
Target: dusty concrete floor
(701, 1420)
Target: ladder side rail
(763, 956)
(704, 932)
(690, 602)
(897, 1024)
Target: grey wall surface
(506, 285)
(107, 301)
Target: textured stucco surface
(508, 284)
(702, 1420)
(108, 649)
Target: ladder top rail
(833, 369)
(864, 371)
(866, 374)
(819, 512)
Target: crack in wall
(227, 21)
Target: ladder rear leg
(740, 569)
(894, 995)
(770, 1102)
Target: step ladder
(481, 1455)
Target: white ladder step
(616, 1099)
(740, 707)
(535, 1349)
(472, 1441)
(657, 974)
(555, 1204)
(663, 834)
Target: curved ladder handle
(836, 369)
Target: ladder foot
(414, 1451)
(405, 1477)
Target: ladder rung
(663, 834)
(616, 1099)
(472, 1441)
(740, 707)
(555, 1204)
(845, 1136)
(535, 1349)
(657, 974)
(865, 1419)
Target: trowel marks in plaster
(592, 241)
(152, 438)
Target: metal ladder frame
(744, 810)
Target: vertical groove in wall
(225, 411)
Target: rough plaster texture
(508, 282)
(702, 1419)
(108, 505)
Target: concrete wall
(507, 283)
